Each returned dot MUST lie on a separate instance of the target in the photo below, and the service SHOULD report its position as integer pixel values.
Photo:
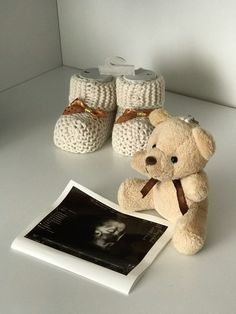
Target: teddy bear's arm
(195, 186)
(130, 197)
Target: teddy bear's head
(176, 148)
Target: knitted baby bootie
(86, 122)
(137, 96)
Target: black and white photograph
(90, 236)
(89, 229)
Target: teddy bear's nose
(150, 160)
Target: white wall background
(29, 40)
(193, 43)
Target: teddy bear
(177, 151)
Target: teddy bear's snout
(150, 160)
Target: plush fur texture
(177, 149)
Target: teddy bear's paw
(121, 195)
(187, 242)
(130, 197)
(125, 194)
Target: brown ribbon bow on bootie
(129, 114)
(77, 106)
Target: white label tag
(93, 74)
(116, 66)
(142, 75)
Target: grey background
(192, 43)
(29, 40)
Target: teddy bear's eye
(154, 145)
(174, 159)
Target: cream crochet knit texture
(140, 94)
(95, 94)
(81, 132)
(131, 136)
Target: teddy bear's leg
(130, 197)
(190, 232)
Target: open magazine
(89, 235)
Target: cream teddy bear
(177, 151)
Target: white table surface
(33, 174)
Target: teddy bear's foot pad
(188, 243)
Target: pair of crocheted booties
(88, 121)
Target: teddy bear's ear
(138, 162)
(205, 142)
(158, 115)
